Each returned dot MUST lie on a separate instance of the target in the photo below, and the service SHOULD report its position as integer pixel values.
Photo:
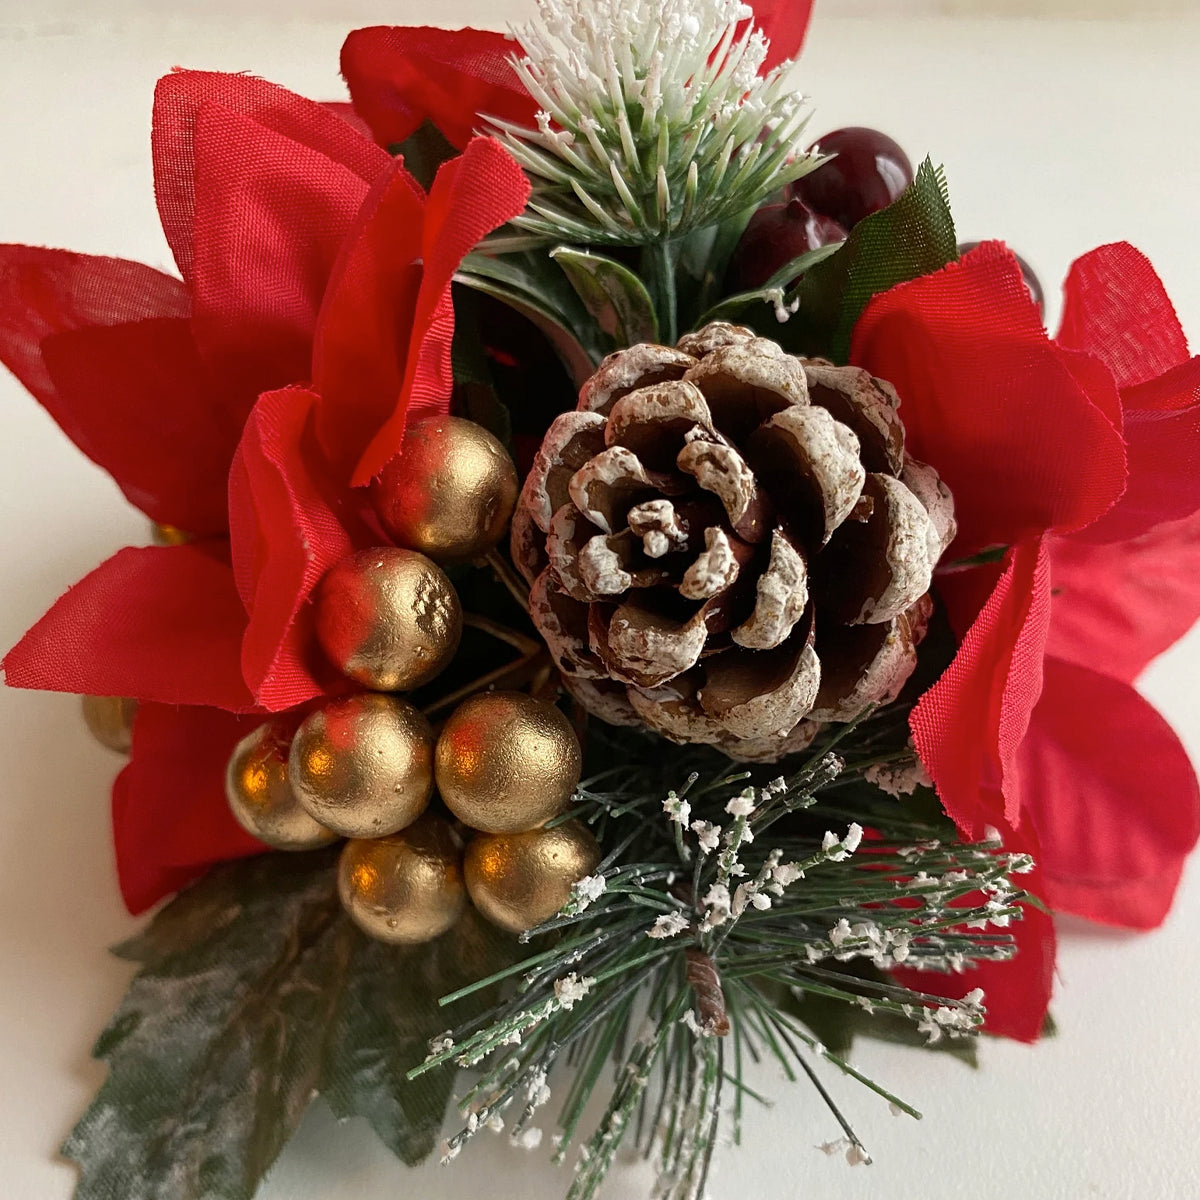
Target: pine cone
(729, 544)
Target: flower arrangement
(630, 594)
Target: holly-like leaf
(912, 237)
(615, 297)
(255, 994)
(387, 1017)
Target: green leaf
(912, 237)
(475, 394)
(256, 993)
(537, 289)
(746, 306)
(615, 297)
(704, 256)
(387, 1017)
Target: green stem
(659, 265)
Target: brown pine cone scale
(730, 544)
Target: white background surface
(1056, 136)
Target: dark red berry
(777, 233)
(869, 172)
(1032, 282)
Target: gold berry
(404, 888)
(389, 619)
(363, 765)
(260, 795)
(449, 492)
(169, 535)
(507, 762)
(519, 880)
(110, 720)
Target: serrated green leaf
(614, 296)
(388, 1015)
(215, 1051)
(256, 994)
(910, 238)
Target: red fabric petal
(270, 218)
(1162, 435)
(1016, 993)
(155, 419)
(992, 403)
(968, 727)
(105, 346)
(157, 623)
(471, 195)
(178, 98)
(1116, 308)
(1119, 606)
(170, 818)
(785, 22)
(345, 110)
(402, 76)
(287, 528)
(1112, 795)
(368, 316)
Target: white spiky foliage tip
(656, 118)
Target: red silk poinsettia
(402, 76)
(240, 405)
(1080, 454)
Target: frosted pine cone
(729, 544)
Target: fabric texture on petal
(1118, 606)
(288, 527)
(170, 818)
(990, 402)
(402, 76)
(471, 195)
(1116, 309)
(178, 98)
(363, 332)
(968, 727)
(1112, 795)
(105, 345)
(157, 623)
(1162, 436)
(271, 215)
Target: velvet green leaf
(255, 994)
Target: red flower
(307, 254)
(402, 76)
(1080, 454)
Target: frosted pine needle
(655, 119)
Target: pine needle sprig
(673, 966)
(655, 119)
